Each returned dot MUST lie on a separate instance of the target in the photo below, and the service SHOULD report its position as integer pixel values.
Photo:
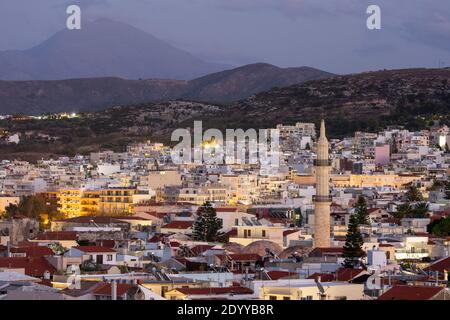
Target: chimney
(113, 290)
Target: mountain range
(370, 101)
(35, 97)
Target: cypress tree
(353, 244)
(362, 215)
(207, 225)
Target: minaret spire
(322, 129)
(322, 199)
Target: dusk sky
(326, 34)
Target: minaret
(322, 199)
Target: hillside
(243, 82)
(366, 101)
(35, 97)
(369, 101)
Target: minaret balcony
(322, 198)
(322, 162)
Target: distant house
(100, 255)
(67, 239)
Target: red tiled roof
(34, 267)
(105, 243)
(411, 293)
(182, 225)
(174, 244)
(324, 277)
(206, 291)
(34, 251)
(440, 265)
(106, 289)
(156, 214)
(157, 238)
(94, 249)
(347, 274)
(199, 249)
(57, 235)
(275, 275)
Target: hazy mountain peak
(103, 48)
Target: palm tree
(413, 194)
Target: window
(236, 222)
(109, 257)
(272, 297)
(264, 233)
(286, 298)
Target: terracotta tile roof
(34, 267)
(199, 249)
(441, 265)
(157, 238)
(86, 287)
(324, 277)
(347, 274)
(105, 243)
(206, 291)
(411, 293)
(182, 225)
(275, 275)
(57, 235)
(158, 215)
(174, 244)
(34, 251)
(105, 289)
(94, 249)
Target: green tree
(298, 217)
(413, 194)
(353, 251)
(420, 210)
(362, 215)
(207, 226)
(442, 227)
(403, 211)
(33, 207)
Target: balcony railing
(322, 163)
(322, 198)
